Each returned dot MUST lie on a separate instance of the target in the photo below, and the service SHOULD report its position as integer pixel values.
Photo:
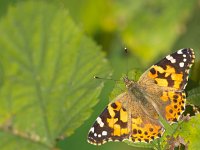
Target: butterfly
(134, 114)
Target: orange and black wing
(173, 70)
(169, 78)
(124, 119)
(111, 125)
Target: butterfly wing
(111, 125)
(165, 82)
(173, 70)
(145, 124)
(123, 119)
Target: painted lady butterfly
(134, 114)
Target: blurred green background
(33, 35)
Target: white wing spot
(180, 51)
(110, 140)
(171, 59)
(92, 130)
(95, 134)
(184, 59)
(116, 140)
(99, 135)
(181, 64)
(99, 121)
(104, 133)
(184, 55)
(168, 57)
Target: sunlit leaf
(47, 67)
(189, 131)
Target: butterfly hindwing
(175, 107)
(122, 120)
(145, 125)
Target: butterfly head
(128, 83)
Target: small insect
(134, 114)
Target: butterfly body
(134, 114)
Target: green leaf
(194, 96)
(189, 131)
(47, 67)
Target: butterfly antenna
(96, 77)
(126, 53)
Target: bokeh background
(150, 29)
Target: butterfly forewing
(111, 125)
(173, 70)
